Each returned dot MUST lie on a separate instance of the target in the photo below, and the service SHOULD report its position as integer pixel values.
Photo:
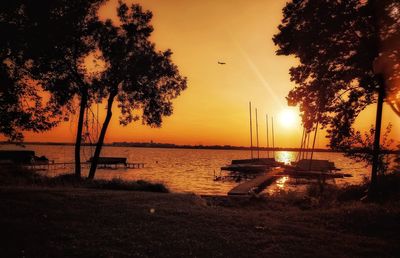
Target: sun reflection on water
(280, 183)
(285, 157)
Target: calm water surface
(187, 170)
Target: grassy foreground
(28, 178)
(54, 222)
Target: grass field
(61, 222)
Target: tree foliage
(338, 44)
(42, 52)
(143, 80)
(142, 77)
(21, 106)
(43, 64)
(43, 67)
(358, 146)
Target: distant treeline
(200, 146)
(208, 147)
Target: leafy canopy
(141, 77)
(42, 52)
(337, 43)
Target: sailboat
(254, 164)
(310, 168)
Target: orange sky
(214, 108)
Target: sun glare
(288, 118)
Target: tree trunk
(100, 141)
(376, 147)
(78, 141)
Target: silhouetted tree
(44, 51)
(67, 78)
(21, 106)
(338, 43)
(140, 77)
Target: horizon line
(163, 145)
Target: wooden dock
(257, 184)
(120, 165)
(65, 165)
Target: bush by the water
(24, 177)
(388, 188)
(320, 195)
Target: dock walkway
(63, 165)
(256, 185)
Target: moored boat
(309, 168)
(252, 165)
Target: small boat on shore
(320, 165)
(310, 168)
(260, 161)
(252, 165)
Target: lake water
(187, 170)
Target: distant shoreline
(176, 146)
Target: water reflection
(285, 157)
(183, 170)
(281, 182)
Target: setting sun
(288, 118)
(256, 127)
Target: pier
(63, 165)
(257, 184)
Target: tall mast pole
(305, 145)
(302, 156)
(266, 120)
(251, 133)
(258, 147)
(301, 145)
(313, 145)
(273, 137)
(308, 144)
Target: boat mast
(266, 120)
(301, 145)
(273, 137)
(258, 147)
(307, 145)
(251, 133)
(312, 151)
